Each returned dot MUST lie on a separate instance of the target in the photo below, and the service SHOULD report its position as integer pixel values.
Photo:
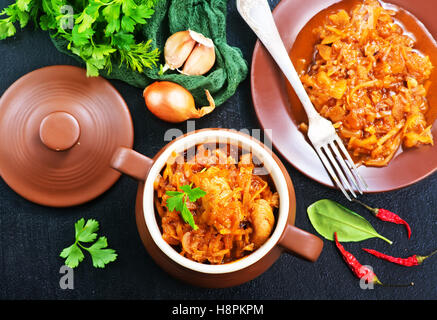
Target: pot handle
(131, 163)
(302, 243)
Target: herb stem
(80, 245)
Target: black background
(32, 236)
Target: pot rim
(225, 136)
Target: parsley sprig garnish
(178, 201)
(98, 251)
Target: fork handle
(258, 16)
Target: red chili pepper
(414, 260)
(386, 215)
(357, 268)
(362, 271)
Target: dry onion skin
(171, 102)
(234, 218)
(368, 79)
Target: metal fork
(321, 132)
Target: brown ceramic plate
(275, 112)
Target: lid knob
(59, 131)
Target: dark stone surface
(32, 236)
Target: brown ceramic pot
(285, 237)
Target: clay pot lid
(58, 132)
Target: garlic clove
(200, 61)
(177, 49)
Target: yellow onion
(173, 103)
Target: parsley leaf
(73, 254)
(177, 201)
(80, 38)
(86, 232)
(23, 5)
(101, 256)
(123, 40)
(7, 29)
(188, 217)
(112, 16)
(193, 194)
(16, 12)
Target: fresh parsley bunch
(100, 32)
(86, 233)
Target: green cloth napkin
(207, 17)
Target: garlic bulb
(177, 49)
(190, 50)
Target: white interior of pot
(246, 143)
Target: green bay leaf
(328, 216)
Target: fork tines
(342, 169)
